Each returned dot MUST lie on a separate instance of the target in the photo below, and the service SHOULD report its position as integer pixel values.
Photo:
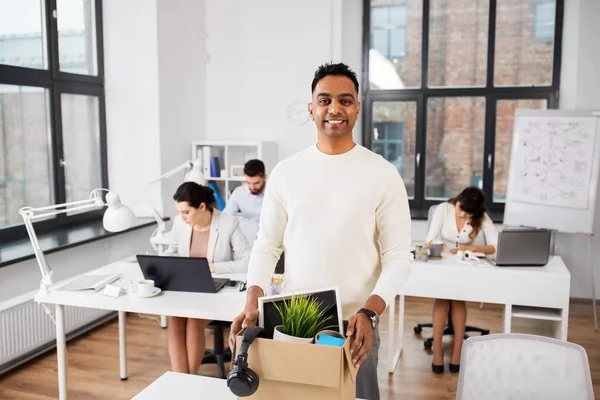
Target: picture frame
(236, 171)
(269, 317)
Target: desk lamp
(117, 218)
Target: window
(444, 114)
(544, 16)
(458, 43)
(521, 58)
(22, 34)
(25, 177)
(81, 160)
(388, 33)
(394, 137)
(77, 36)
(395, 44)
(454, 147)
(52, 122)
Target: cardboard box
(297, 371)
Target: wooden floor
(93, 370)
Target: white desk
(224, 305)
(546, 287)
(173, 385)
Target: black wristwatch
(373, 316)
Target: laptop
(522, 247)
(180, 274)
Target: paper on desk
(89, 282)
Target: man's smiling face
(334, 106)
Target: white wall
(182, 86)
(132, 99)
(580, 89)
(262, 56)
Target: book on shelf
(215, 167)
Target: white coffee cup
(145, 287)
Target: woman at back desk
(457, 223)
(201, 230)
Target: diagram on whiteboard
(553, 161)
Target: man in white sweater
(340, 212)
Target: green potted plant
(302, 318)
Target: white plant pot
(279, 335)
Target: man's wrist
(371, 315)
(254, 292)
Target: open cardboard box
(295, 371)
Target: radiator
(27, 331)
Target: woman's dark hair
(472, 201)
(195, 195)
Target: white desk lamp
(193, 173)
(117, 217)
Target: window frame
(421, 95)
(57, 83)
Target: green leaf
(303, 316)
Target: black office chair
(220, 354)
(448, 329)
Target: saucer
(154, 293)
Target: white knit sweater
(342, 220)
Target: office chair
(448, 329)
(220, 354)
(517, 366)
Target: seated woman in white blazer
(457, 223)
(201, 230)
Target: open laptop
(522, 247)
(180, 274)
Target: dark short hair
(194, 195)
(254, 168)
(339, 69)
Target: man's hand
(361, 327)
(246, 318)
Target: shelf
(548, 314)
(233, 179)
(232, 153)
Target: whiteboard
(554, 168)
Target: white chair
(525, 367)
